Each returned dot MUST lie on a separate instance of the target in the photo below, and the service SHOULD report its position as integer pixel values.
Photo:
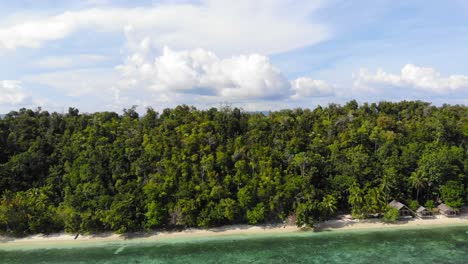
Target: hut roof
(421, 209)
(396, 204)
(444, 207)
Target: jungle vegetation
(185, 167)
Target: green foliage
(304, 214)
(256, 215)
(391, 215)
(356, 201)
(453, 193)
(328, 205)
(154, 216)
(185, 167)
(413, 205)
(29, 212)
(366, 201)
(375, 202)
(419, 181)
(429, 204)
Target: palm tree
(355, 199)
(388, 182)
(418, 181)
(302, 161)
(375, 200)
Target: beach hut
(403, 210)
(423, 212)
(446, 210)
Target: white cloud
(200, 77)
(202, 72)
(11, 93)
(56, 62)
(411, 76)
(307, 87)
(165, 78)
(226, 27)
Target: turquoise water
(435, 245)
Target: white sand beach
(344, 223)
(68, 239)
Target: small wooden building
(446, 210)
(403, 210)
(423, 212)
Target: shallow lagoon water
(422, 245)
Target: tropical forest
(141, 170)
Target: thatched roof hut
(402, 209)
(423, 212)
(446, 210)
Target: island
(189, 169)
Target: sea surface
(401, 245)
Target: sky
(104, 55)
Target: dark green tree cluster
(199, 168)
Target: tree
(413, 205)
(186, 167)
(438, 164)
(419, 181)
(374, 201)
(391, 215)
(429, 204)
(29, 212)
(356, 200)
(256, 215)
(328, 205)
(306, 213)
(453, 193)
(154, 216)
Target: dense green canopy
(186, 167)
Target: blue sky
(259, 55)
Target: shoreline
(345, 223)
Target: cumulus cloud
(226, 27)
(415, 77)
(150, 76)
(11, 93)
(307, 87)
(202, 72)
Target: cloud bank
(226, 27)
(414, 77)
(202, 73)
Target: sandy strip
(345, 223)
(69, 239)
